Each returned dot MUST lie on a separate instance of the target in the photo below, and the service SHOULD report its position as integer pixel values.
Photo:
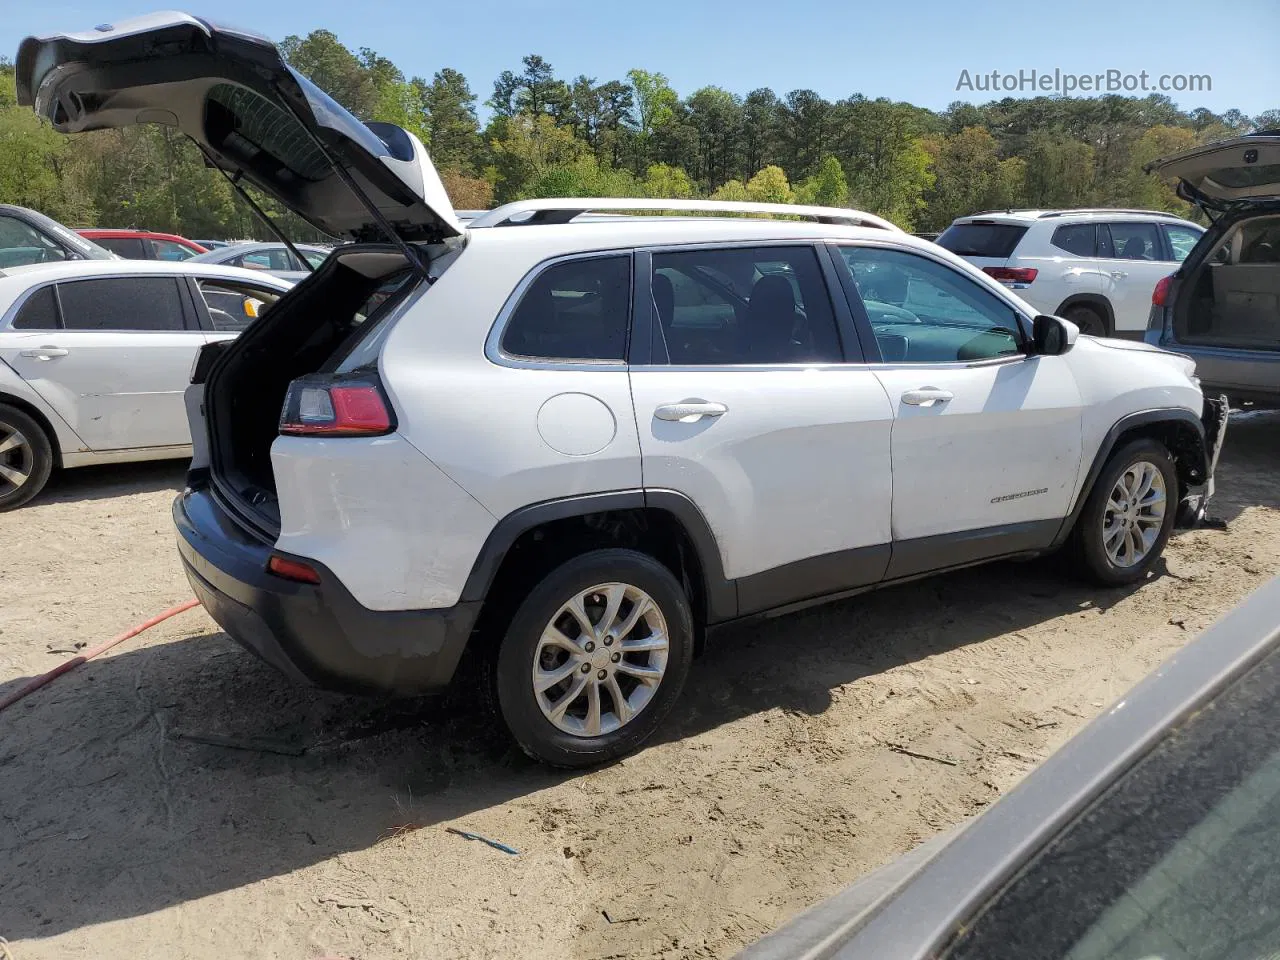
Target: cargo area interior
(310, 330)
(1235, 294)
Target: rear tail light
(1161, 293)
(292, 569)
(1012, 274)
(324, 405)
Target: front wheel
(594, 658)
(1129, 515)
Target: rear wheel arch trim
(1114, 437)
(36, 414)
(720, 593)
(1094, 301)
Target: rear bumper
(319, 634)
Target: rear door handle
(690, 411)
(45, 353)
(927, 396)
(1118, 274)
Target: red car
(143, 244)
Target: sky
(912, 51)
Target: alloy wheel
(17, 459)
(1134, 514)
(600, 659)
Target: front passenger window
(923, 311)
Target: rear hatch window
(976, 239)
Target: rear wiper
(262, 215)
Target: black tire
(518, 704)
(34, 457)
(1090, 554)
(1088, 319)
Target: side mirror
(1053, 336)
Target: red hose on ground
(38, 682)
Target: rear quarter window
(40, 312)
(996, 240)
(575, 310)
(1076, 238)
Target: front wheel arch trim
(1126, 426)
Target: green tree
(1151, 192)
(584, 177)
(534, 90)
(530, 146)
(715, 116)
(334, 69)
(732, 190)
(664, 180)
(967, 175)
(827, 188)
(451, 121)
(761, 127)
(805, 131)
(770, 186)
(1060, 171)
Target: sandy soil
(777, 782)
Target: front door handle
(45, 353)
(690, 411)
(927, 396)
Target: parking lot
(807, 750)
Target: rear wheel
(1129, 515)
(594, 658)
(1088, 319)
(26, 457)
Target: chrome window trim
(6, 320)
(493, 343)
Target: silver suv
(1097, 268)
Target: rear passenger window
(752, 305)
(40, 312)
(130, 248)
(121, 303)
(1135, 241)
(1075, 238)
(575, 310)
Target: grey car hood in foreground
(912, 908)
(233, 94)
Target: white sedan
(95, 356)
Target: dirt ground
(777, 781)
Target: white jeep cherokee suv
(569, 448)
(1097, 268)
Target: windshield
(32, 230)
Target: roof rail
(983, 213)
(1148, 213)
(563, 210)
